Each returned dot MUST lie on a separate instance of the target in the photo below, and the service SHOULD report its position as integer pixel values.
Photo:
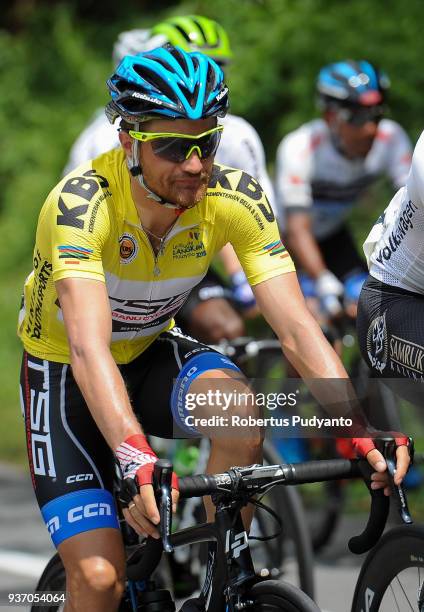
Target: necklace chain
(161, 239)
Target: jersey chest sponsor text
(135, 315)
(394, 237)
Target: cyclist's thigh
(207, 315)
(71, 464)
(390, 327)
(159, 379)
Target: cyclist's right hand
(137, 460)
(329, 291)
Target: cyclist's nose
(370, 128)
(193, 163)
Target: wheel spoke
(404, 592)
(394, 597)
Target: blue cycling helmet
(351, 83)
(167, 83)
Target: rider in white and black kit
(391, 307)
(326, 165)
(206, 314)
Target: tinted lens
(177, 149)
(362, 116)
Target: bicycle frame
(230, 564)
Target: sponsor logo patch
(406, 358)
(193, 248)
(128, 248)
(377, 345)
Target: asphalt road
(25, 547)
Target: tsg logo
(89, 511)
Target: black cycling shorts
(341, 255)
(72, 467)
(390, 327)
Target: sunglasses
(178, 147)
(361, 116)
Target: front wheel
(279, 596)
(392, 576)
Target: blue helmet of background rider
(165, 83)
(351, 84)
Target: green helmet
(196, 33)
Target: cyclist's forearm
(104, 391)
(315, 360)
(309, 352)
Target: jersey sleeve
(400, 156)
(78, 225)
(293, 173)
(254, 235)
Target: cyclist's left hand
(380, 477)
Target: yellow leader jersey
(89, 228)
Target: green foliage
(55, 63)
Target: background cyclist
(390, 321)
(325, 166)
(207, 314)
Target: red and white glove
(137, 460)
(362, 446)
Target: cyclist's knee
(98, 575)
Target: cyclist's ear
(126, 141)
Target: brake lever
(398, 491)
(162, 484)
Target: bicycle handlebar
(241, 483)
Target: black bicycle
(231, 583)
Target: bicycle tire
(398, 550)
(52, 579)
(277, 595)
(289, 502)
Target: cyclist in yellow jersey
(120, 242)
